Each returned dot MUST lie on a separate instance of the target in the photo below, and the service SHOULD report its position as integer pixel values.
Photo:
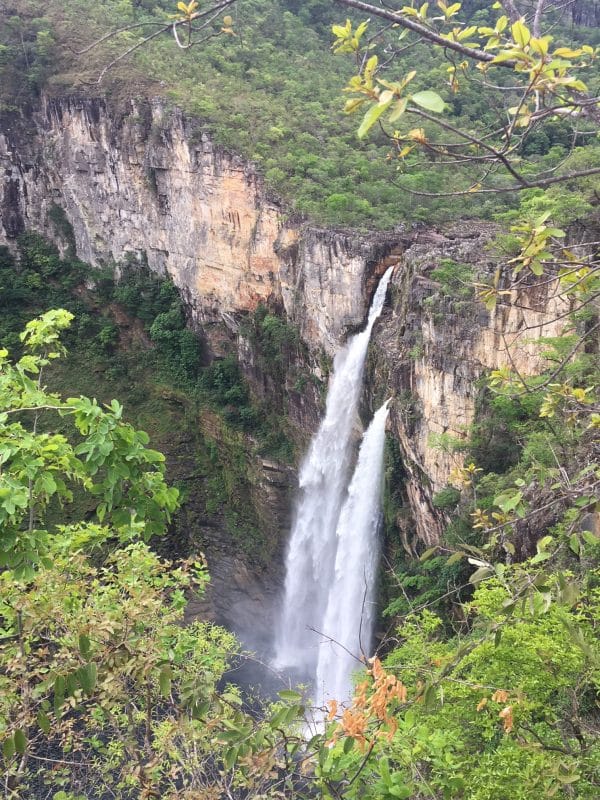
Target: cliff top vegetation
(271, 90)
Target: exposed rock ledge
(431, 350)
(146, 183)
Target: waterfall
(310, 562)
(350, 609)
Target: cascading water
(310, 563)
(349, 618)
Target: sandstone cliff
(146, 184)
(432, 347)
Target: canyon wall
(144, 183)
(434, 344)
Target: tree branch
(422, 30)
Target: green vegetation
(271, 92)
(102, 681)
(276, 342)
(99, 678)
(129, 339)
(259, 93)
(488, 686)
(494, 719)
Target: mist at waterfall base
(332, 553)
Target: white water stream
(313, 547)
(350, 615)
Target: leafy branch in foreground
(542, 88)
(103, 689)
(40, 470)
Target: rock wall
(431, 350)
(145, 183)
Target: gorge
(317, 601)
(299, 408)
(139, 183)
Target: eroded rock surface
(144, 183)
(432, 349)
(147, 184)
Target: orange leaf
(333, 707)
(507, 715)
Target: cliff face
(432, 347)
(144, 183)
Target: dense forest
(486, 680)
(278, 70)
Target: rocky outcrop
(145, 183)
(432, 347)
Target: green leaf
(43, 721)
(371, 118)
(537, 267)
(71, 684)
(340, 32)
(232, 698)
(384, 770)
(370, 67)
(428, 553)
(570, 594)
(59, 693)
(574, 543)
(399, 109)
(200, 710)
(289, 694)
(294, 712)
(570, 778)
(230, 757)
(590, 538)
(8, 747)
(278, 717)
(480, 574)
(230, 736)
(164, 680)
(398, 790)
(87, 676)
(429, 697)
(20, 741)
(84, 645)
(429, 100)
(520, 33)
(508, 502)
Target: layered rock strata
(432, 349)
(146, 184)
